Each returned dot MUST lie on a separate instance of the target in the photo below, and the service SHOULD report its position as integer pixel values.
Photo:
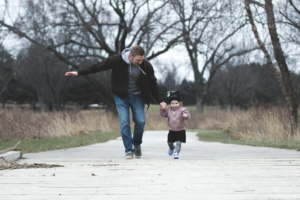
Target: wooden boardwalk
(204, 171)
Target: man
(132, 81)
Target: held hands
(163, 106)
(73, 73)
(185, 116)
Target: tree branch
(262, 46)
(256, 3)
(219, 45)
(100, 41)
(10, 149)
(292, 3)
(4, 87)
(169, 45)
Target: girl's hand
(185, 116)
(163, 106)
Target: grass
(257, 126)
(156, 108)
(46, 144)
(222, 137)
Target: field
(264, 124)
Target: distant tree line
(44, 87)
(241, 85)
(36, 77)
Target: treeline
(36, 77)
(241, 85)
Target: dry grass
(270, 123)
(20, 124)
(260, 124)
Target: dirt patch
(15, 165)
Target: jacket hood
(125, 55)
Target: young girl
(176, 120)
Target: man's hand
(73, 73)
(185, 116)
(163, 105)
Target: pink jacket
(175, 120)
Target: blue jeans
(136, 103)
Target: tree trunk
(283, 77)
(199, 96)
(199, 105)
(290, 96)
(33, 104)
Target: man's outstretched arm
(93, 68)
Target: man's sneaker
(171, 151)
(176, 156)
(128, 155)
(137, 151)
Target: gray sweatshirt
(134, 73)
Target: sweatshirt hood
(125, 55)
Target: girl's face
(174, 104)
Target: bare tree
(41, 71)
(235, 83)
(282, 75)
(207, 29)
(290, 10)
(289, 30)
(170, 75)
(6, 73)
(76, 31)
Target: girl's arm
(164, 113)
(186, 115)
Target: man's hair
(137, 51)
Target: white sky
(176, 56)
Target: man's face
(136, 60)
(174, 104)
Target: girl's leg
(178, 147)
(171, 148)
(171, 145)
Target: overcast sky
(176, 56)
